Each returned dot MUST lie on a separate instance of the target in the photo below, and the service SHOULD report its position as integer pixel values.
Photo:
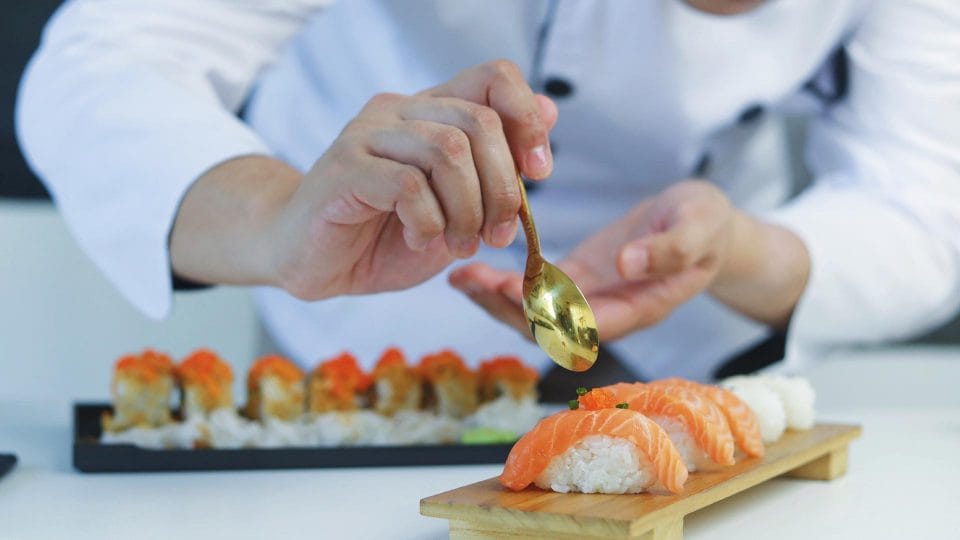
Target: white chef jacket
(127, 102)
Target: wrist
(224, 230)
(741, 258)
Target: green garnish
(488, 436)
(581, 390)
(573, 404)
(622, 406)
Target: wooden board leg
(826, 467)
(466, 530)
(671, 529)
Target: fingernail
(537, 162)
(504, 233)
(635, 260)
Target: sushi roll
(741, 419)
(608, 450)
(695, 425)
(141, 389)
(766, 405)
(397, 386)
(274, 390)
(508, 390)
(507, 376)
(337, 384)
(206, 384)
(451, 388)
(798, 399)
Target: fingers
(496, 291)
(680, 248)
(636, 305)
(491, 157)
(501, 86)
(442, 152)
(404, 189)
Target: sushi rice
(598, 464)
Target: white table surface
(902, 482)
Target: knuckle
(486, 120)
(383, 99)
(681, 253)
(450, 145)
(504, 203)
(410, 181)
(503, 69)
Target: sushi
(274, 390)
(508, 390)
(206, 384)
(795, 396)
(397, 386)
(337, 384)
(141, 390)
(608, 450)
(742, 421)
(695, 425)
(451, 388)
(507, 376)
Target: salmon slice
(702, 419)
(741, 419)
(557, 433)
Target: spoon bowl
(560, 319)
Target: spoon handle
(526, 218)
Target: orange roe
(205, 368)
(390, 358)
(343, 376)
(148, 366)
(597, 399)
(446, 362)
(273, 365)
(508, 367)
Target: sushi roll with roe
(451, 387)
(397, 385)
(508, 390)
(275, 390)
(141, 390)
(338, 384)
(206, 384)
(507, 376)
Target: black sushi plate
(92, 457)
(7, 461)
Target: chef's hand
(411, 183)
(637, 270)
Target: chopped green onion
(622, 406)
(581, 391)
(574, 404)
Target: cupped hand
(635, 271)
(412, 183)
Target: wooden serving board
(487, 510)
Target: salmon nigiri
(695, 425)
(743, 423)
(609, 450)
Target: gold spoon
(560, 319)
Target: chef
(354, 162)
